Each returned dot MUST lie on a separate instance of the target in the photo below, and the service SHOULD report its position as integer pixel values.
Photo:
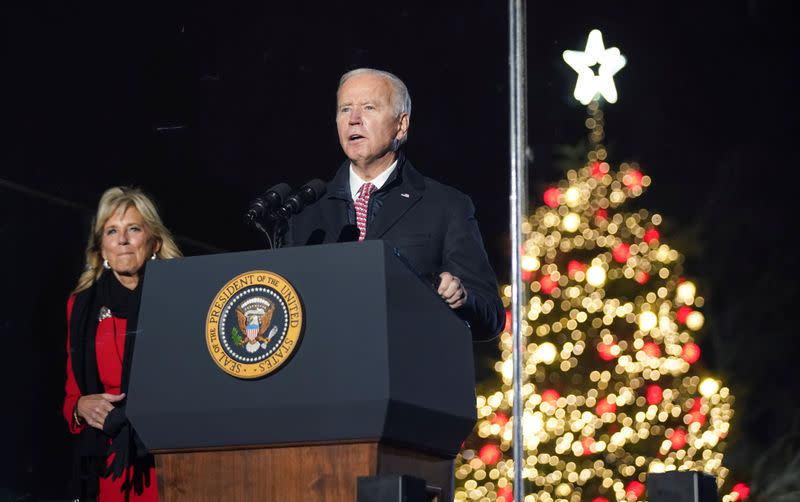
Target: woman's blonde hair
(119, 199)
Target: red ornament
(575, 266)
(678, 439)
(654, 394)
(587, 443)
(690, 352)
(500, 418)
(641, 277)
(507, 326)
(601, 214)
(695, 417)
(550, 396)
(634, 489)
(505, 494)
(683, 313)
(599, 169)
(548, 284)
(742, 489)
(652, 349)
(551, 196)
(698, 402)
(600, 499)
(604, 406)
(651, 235)
(527, 275)
(490, 454)
(633, 179)
(622, 252)
(604, 351)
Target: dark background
(204, 104)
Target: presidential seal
(254, 324)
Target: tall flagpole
(518, 200)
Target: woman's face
(127, 242)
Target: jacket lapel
(398, 200)
(395, 205)
(334, 207)
(335, 213)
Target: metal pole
(518, 199)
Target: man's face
(366, 120)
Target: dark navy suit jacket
(431, 224)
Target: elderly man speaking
(378, 194)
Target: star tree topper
(590, 85)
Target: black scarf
(93, 446)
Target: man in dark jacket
(378, 194)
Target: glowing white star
(589, 85)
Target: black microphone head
(312, 191)
(297, 201)
(271, 199)
(256, 209)
(277, 194)
(317, 187)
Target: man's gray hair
(401, 99)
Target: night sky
(205, 104)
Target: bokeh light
(614, 383)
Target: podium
(377, 377)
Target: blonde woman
(127, 232)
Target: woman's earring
(153, 257)
(106, 265)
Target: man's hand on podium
(452, 290)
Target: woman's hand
(94, 408)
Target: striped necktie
(362, 203)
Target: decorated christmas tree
(614, 383)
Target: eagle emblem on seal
(254, 317)
(266, 330)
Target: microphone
(271, 200)
(304, 196)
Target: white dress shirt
(379, 181)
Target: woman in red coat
(111, 462)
